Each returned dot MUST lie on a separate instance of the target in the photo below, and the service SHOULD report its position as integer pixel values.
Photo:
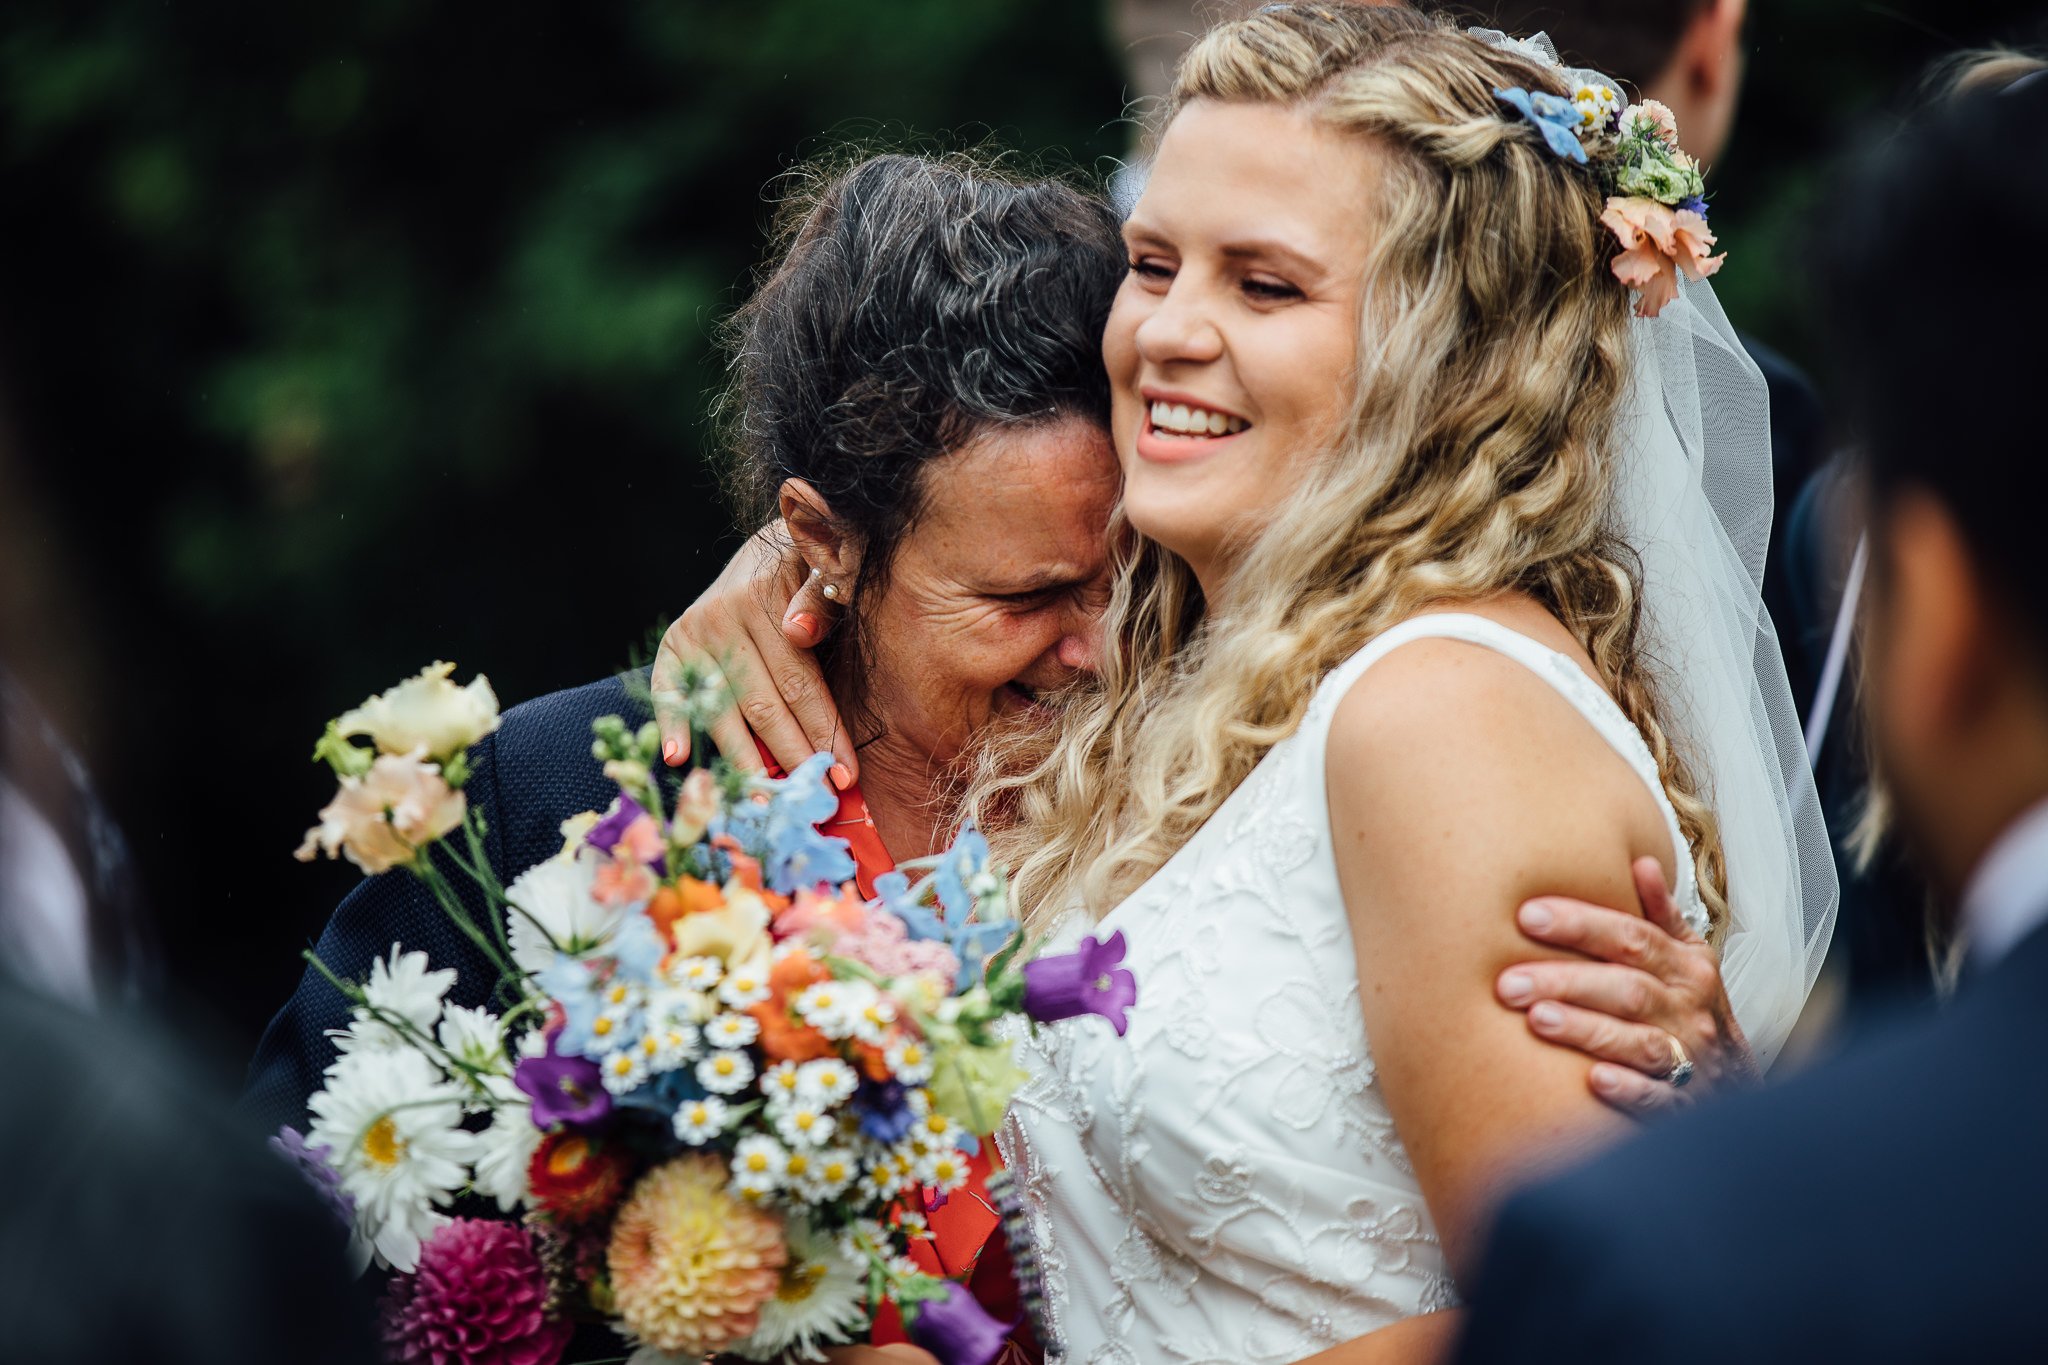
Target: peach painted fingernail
(841, 779)
(806, 623)
(671, 752)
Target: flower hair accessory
(1554, 116)
(1656, 206)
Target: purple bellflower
(1089, 980)
(958, 1330)
(567, 1090)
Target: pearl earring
(832, 592)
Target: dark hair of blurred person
(917, 304)
(1886, 1205)
(1685, 54)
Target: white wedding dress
(1224, 1183)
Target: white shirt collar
(2007, 897)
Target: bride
(1423, 607)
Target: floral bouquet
(713, 1090)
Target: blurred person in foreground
(143, 1223)
(1886, 1206)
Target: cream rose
(428, 712)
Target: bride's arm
(1460, 786)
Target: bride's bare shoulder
(1443, 731)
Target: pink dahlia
(479, 1297)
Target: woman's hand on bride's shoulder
(757, 623)
(1647, 980)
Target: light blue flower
(892, 889)
(569, 984)
(958, 866)
(639, 948)
(1554, 116)
(796, 855)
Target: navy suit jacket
(1887, 1206)
(533, 773)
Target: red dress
(966, 1242)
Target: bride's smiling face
(1231, 345)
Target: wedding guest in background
(1885, 1206)
(1886, 942)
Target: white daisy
(760, 1158)
(944, 1169)
(913, 1224)
(506, 1148)
(909, 1061)
(470, 1036)
(392, 1125)
(557, 895)
(673, 1007)
(746, 986)
(403, 987)
(932, 1132)
(827, 1081)
(821, 1302)
(732, 1030)
(699, 1121)
(624, 1071)
(805, 1124)
(831, 1007)
(863, 1238)
(828, 1175)
(695, 973)
(622, 996)
(664, 1050)
(880, 1181)
(725, 1072)
(873, 1016)
(780, 1082)
(613, 1028)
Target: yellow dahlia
(691, 1265)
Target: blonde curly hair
(1476, 457)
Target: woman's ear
(819, 538)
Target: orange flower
(1657, 242)
(784, 1037)
(575, 1178)
(846, 913)
(687, 897)
(746, 869)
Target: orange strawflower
(577, 1179)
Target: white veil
(1693, 499)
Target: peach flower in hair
(1657, 242)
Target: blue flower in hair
(1554, 116)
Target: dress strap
(1587, 697)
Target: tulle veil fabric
(1693, 499)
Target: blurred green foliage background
(337, 338)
